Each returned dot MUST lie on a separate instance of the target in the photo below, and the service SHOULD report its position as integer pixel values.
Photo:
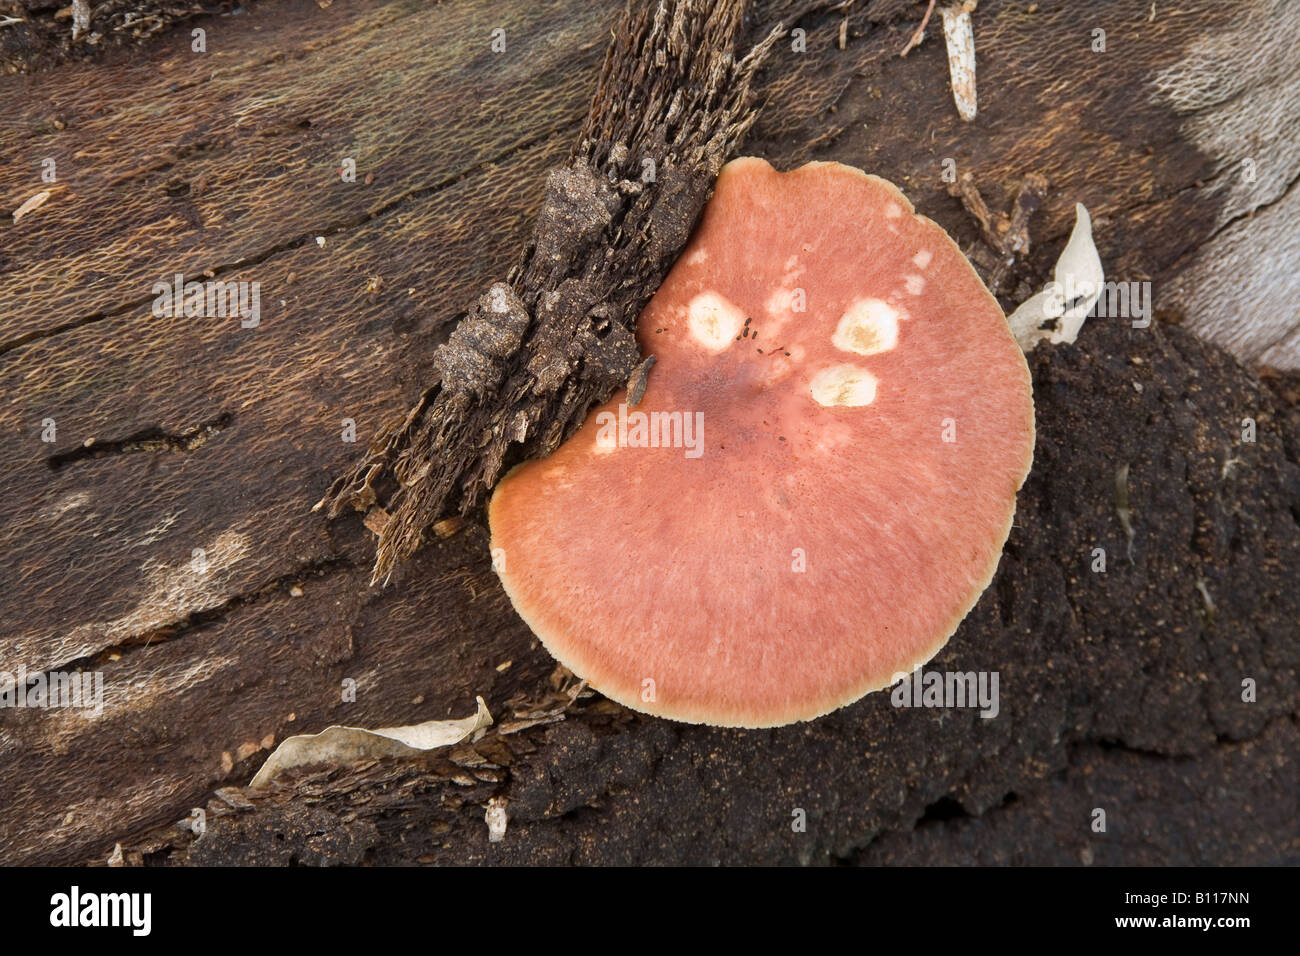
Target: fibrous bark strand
(535, 352)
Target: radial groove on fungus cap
(865, 421)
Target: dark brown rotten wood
(37, 34)
(1118, 688)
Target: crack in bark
(1253, 210)
(1111, 744)
(244, 262)
(150, 439)
(321, 568)
(1016, 795)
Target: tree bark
(534, 353)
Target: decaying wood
(534, 353)
(1115, 687)
(36, 34)
(1006, 237)
(1120, 689)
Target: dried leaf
(1066, 301)
(346, 745)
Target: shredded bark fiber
(533, 353)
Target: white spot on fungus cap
(844, 385)
(714, 322)
(820, 536)
(868, 326)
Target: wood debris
(960, 39)
(36, 202)
(919, 35)
(496, 819)
(1006, 236)
(534, 353)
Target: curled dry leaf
(1065, 302)
(345, 745)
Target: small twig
(1033, 188)
(1007, 236)
(920, 31)
(1122, 506)
(966, 190)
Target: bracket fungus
(817, 483)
